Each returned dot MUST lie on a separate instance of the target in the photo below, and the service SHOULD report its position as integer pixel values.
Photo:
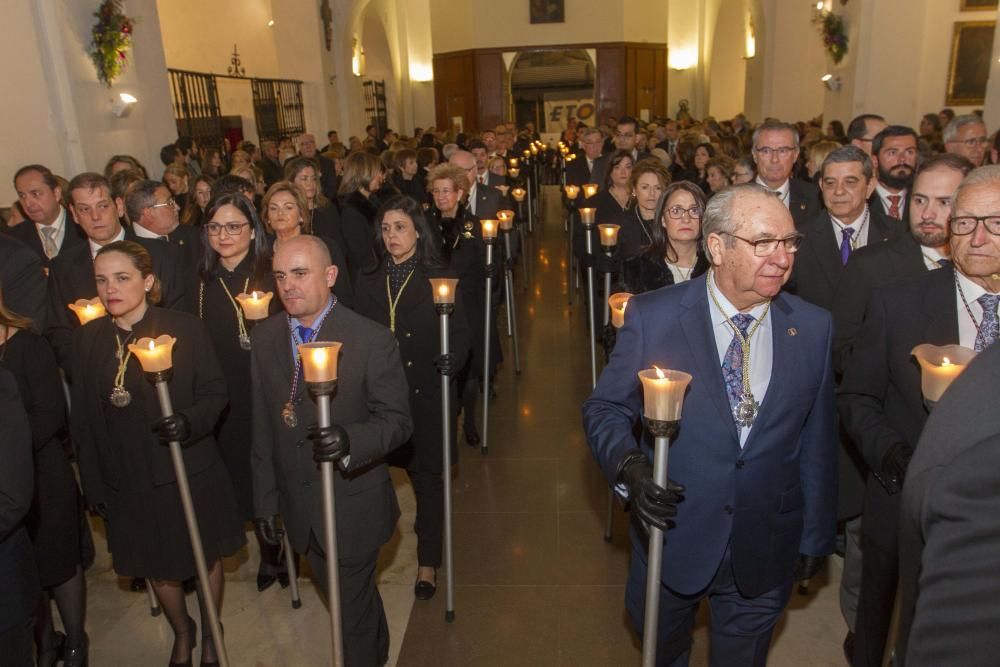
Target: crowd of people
(879, 225)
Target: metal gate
(278, 107)
(196, 104)
(378, 114)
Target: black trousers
(429, 524)
(365, 630)
(879, 574)
(17, 646)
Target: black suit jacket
(879, 396)
(370, 404)
(18, 574)
(949, 528)
(27, 233)
(23, 280)
(488, 202)
(578, 173)
(868, 268)
(804, 201)
(187, 239)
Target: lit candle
(534, 149)
(589, 190)
(570, 157)
(587, 215)
(663, 393)
(506, 218)
(609, 235)
(514, 172)
(527, 153)
(155, 355)
(940, 365)
(518, 194)
(572, 191)
(88, 309)
(513, 163)
(319, 361)
(443, 289)
(255, 304)
(617, 302)
(489, 228)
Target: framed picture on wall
(547, 11)
(976, 5)
(971, 49)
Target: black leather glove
(608, 340)
(808, 566)
(652, 504)
(894, 464)
(268, 530)
(493, 271)
(100, 509)
(330, 444)
(174, 428)
(446, 364)
(586, 261)
(607, 264)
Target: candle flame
(659, 372)
(254, 295)
(443, 290)
(945, 362)
(319, 356)
(89, 308)
(152, 345)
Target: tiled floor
(535, 582)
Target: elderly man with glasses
(966, 136)
(751, 500)
(775, 150)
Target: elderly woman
(718, 171)
(363, 175)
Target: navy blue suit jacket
(771, 500)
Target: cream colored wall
(794, 61)
(727, 82)
(685, 35)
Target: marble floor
(535, 583)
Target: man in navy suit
(752, 497)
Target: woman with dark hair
(718, 171)
(237, 260)
(835, 132)
(396, 292)
(673, 255)
(462, 247)
(363, 175)
(647, 182)
(56, 523)
(212, 163)
(197, 203)
(407, 175)
(283, 213)
(122, 439)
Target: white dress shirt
(883, 194)
(783, 191)
(144, 233)
(931, 258)
(761, 346)
(94, 248)
(59, 224)
(967, 329)
(860, 226)
(472, 198)
(681, 274)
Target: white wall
(727, 80)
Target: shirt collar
(782, 189)
(319, 318)
(94, 248)
(858, 221)
(884, 193)
(58, 224)
(728, 309)
(970, 290)
(142, 232)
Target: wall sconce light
(121, 106)
(421, 73)
(750, 48)
(357, 53)
(682, 59)
(831, 82)
(270, 24)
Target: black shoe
(472, 438)
(283, 579)
(205, 640)
(137, 585)
(424, 590)
(265, 581)
(193, 630)
(51, 654)
(849, 647)
(76, 656)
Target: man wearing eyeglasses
(751, 500)
(880, 399)
(966, 136)
(154, 215)
(625, 137)
(775, 150)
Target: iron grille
(375, 107)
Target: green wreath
(834, 35)
(112, 37)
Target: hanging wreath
(112, 38)
(834, 35)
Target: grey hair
(958, 122)
(986, 175)
(776, 126)
(591, 130)
(718, 215)
(849, 153)
(448, 150)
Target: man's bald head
(304, 274)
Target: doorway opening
(548, 88)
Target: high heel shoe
(205, 640)
(472, 438)
(76, 656)
(193, 631)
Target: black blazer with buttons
(27, 233)
(418, 332)
(370, 403)
(804, 201)
(23, 280)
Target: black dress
(357, 217)
(634, 235)
(56, 523)
(233, 430)
(122, 463)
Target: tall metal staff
(663, 399)
(519, 193)
(156, 358)
(572, 192)
(529, 177)
(444, 303)
(609, 240)
(489, 238)
(587, 217)
(506, 218)
(319, 370)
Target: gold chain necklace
(120, 396)
(394, 302)
(244, 336)
(746, 410)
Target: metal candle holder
(507, 227)
(609, 241)
(444, 304)
(587, 217)
(489, 238)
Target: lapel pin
(792, 331)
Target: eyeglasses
(766, 247)
(677, 212)
(965, 225)
(232, 228)
(971, 142)
(169, 202)
(784, 151)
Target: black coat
(23, 279)
(804, 201)
(418, 333)
(645, 273)
(326, 222)
(27, 233)
(577, 171)
(357, 217)
(416, 187)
